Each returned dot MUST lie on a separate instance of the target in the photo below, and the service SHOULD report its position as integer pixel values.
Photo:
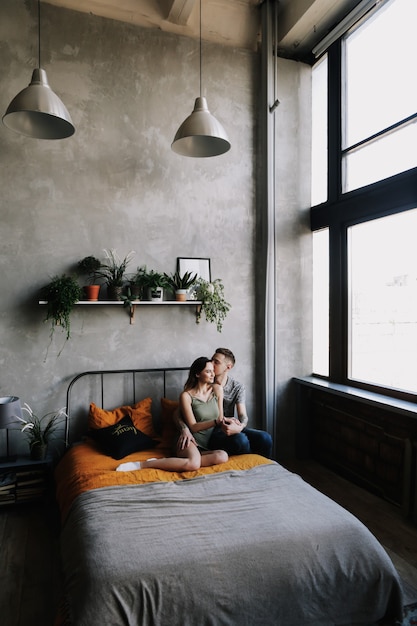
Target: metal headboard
(111, 388)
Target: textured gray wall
(117, 184)
(293, 246)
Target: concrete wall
(293, 245)
(117, 184)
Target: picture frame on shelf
(199, 266)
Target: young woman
(201, 406)
(201, 402)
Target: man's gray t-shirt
(233, 393)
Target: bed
(243, 543)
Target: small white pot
(156, 295)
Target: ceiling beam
(301, 23)
(178, 11)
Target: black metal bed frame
(103, 373)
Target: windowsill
(353, 393)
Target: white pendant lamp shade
(38, 112)
(201, 135)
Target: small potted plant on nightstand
(90, 266)
(40, 430)
(113, 271)
(180, 284)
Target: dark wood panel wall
(371, 445)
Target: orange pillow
(142, 417)
(168, 426)
(140, 414)
(99, 418)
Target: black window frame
(341, 210)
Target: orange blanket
(83, 467)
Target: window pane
(384, 157)
(319, 133)
(379, 59)
(383, 301)
(321, 302)
(380, 56)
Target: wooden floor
(30, 572)
(30, 576)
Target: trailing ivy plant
(213, 301)
(61, 295)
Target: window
(366, 221)
(383, 301)
(319, 130)
(321, 302)
(379, 100)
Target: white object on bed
(131, 466)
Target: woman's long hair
(195, 369)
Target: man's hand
(231, 426)
(185, 438)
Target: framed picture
(201, 267)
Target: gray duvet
(254, 547)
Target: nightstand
(24, 480)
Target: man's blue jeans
(247, 441)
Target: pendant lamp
(200, 135)
(37, 111)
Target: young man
(232, 435)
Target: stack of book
(30, 484)
(7, 487)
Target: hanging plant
(61, 295)
(213, 302)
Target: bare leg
(213, 457)
(187, 460)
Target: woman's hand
(185, 438)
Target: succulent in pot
(90, 266)
(181, 284)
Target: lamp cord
(39, 33)
(200, 54)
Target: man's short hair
(227, 353)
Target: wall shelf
(135, 303)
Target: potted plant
(154, 284)
(213, 302)
(138, 283)
(40, 430)
(113, 271)
(180, 284)
(61, 295)
(90, 266)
